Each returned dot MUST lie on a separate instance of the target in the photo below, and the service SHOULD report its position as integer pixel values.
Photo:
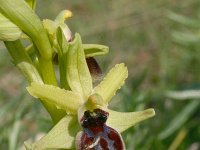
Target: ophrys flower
(82, 97)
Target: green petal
(112, 82)
(62, 136)
(8, 30)
(78, 74)
(122, 121)
(62, 42)
(63, 47)
(50, 26)
(92, 50)
(62, 16)
(60, 20)
(63, 99)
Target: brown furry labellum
(96, 135)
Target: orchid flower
(82, 96)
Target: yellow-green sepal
(92, 50)
(51, 26)
(60, 20)
(112, 82)
(61, 136)
(121, 121)
(62, 99)
(78, 75)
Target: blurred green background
(159, 42)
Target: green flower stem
(17, 51)
(24, 63)
(48, 76)
(47, 71)
(20, 13)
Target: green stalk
(20, 13)
(47, 71)
(25, 18)
(22, 60)
(24, 63)
(17, 51)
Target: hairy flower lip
(63, 134)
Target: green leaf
(183, 20)
(78, 74)
(62, 99)
(182, 95)
(112, 82)
(21, 14)
(124, 120)
(17, 125)
(179, 139)
(92, 50)
(185, 38)
(62, 136)
(180, 119)
(14, 134)
(8, 30)
(17, 51)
